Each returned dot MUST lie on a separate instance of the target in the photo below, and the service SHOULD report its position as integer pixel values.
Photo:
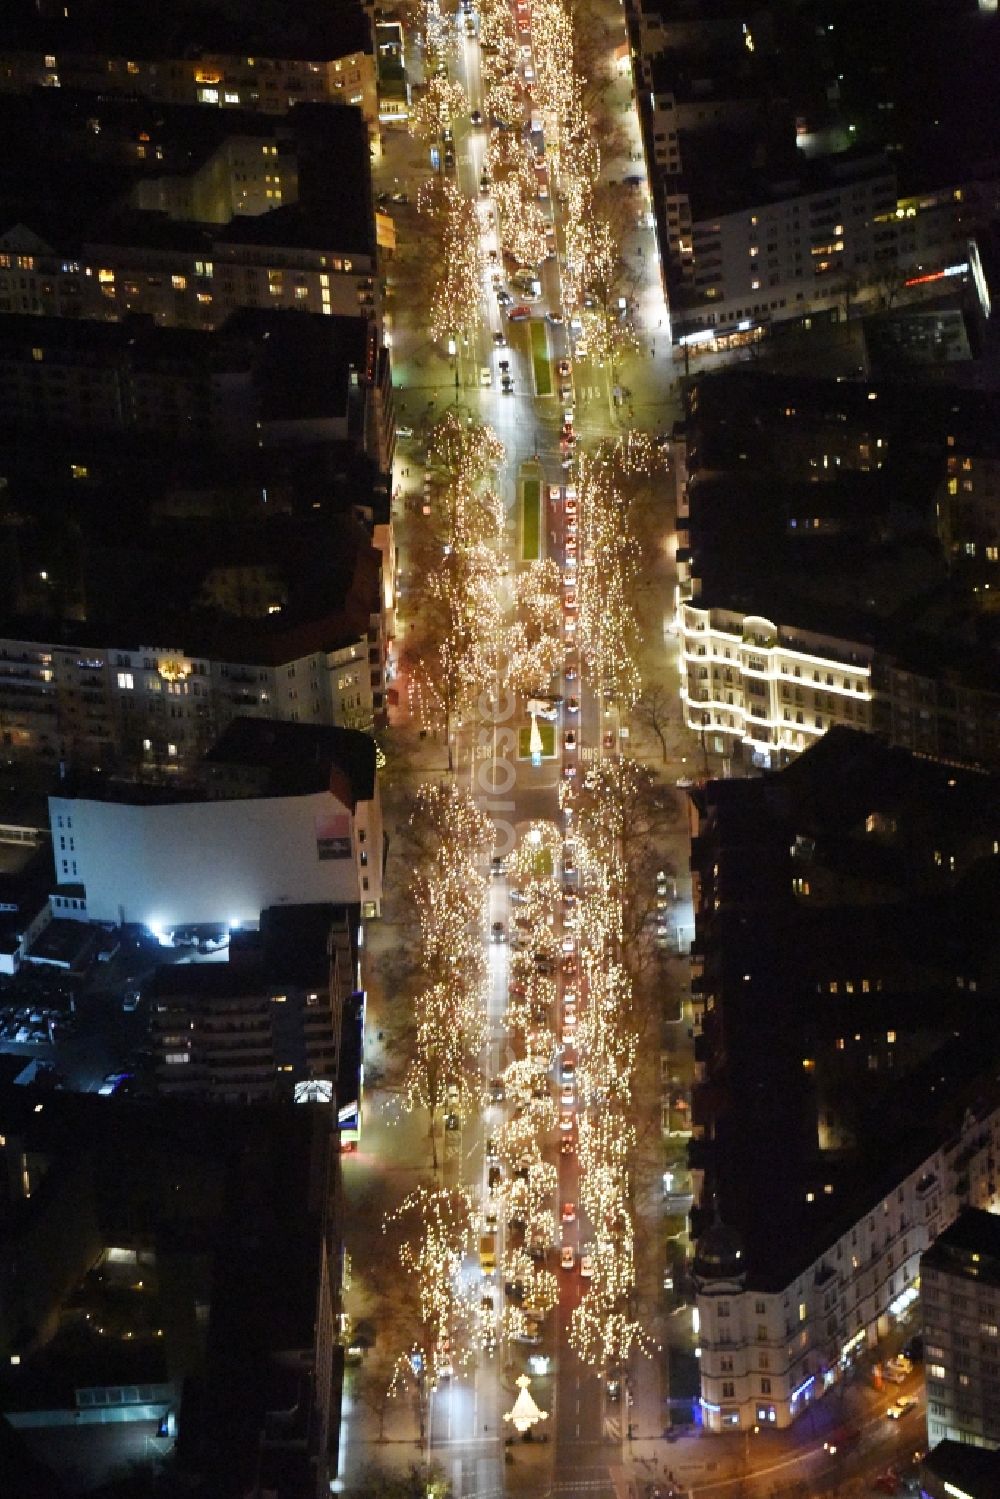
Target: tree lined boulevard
(505, 1214)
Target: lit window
(179, 283)
(125, 681)
(50, 61)
(172, 750)
(890, 1037)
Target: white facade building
(785, 255)
(746, 680)
(766, 1355)
(163, 864)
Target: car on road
(555, 318)
(499, 341)
(498, 931)
(567, 1257)
(569, 739)
(496, 1090)
(570, 673)
(504, 297)
(570, 506)
(494, 1177)
(404, 432)
(491, 1150)
(573, 706)
(567, 1145)
(113, 1083)
(901, 1407)
(900, 1364)
(565, 1123)
(567, 1095)
(529, 1333)
(569, 771)
(569, 600)
(519, 314)
(476, 117)
(567, 1070)
(563, 368)
(887, 1482)
(569, 1212)
(507, 385)
(587, 1264)
(131, 1001)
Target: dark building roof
(859, 824)
(24, 1475)
(974, 1470)
(291, 947)
(312, 31)
(970, 1246)
(297, 758)
(240, 1191)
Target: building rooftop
(70, 184)
(726, 170)
(813, 503)
(291, 947)
(969, 1247)
(858, 822)
(973, 1470)
(292, 758)
(322, 570)
(314, 32)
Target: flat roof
(171, 29)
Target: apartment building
(114, 49)
(822, 526)
(769, 1352)
(195, 1216)
(842, 983)
(310, 246)
(960, 1302)
(262, 380)
(968, 511)
(748, 682)
(750, 246)
(271, 626)
(266, 1022)
(766, 691)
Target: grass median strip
(548, 737)
(540, 358)
(531, 502)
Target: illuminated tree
(437, 1233)
(534, 647)
(442, 102)
(448, 891)
(454, 245)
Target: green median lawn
(548, 735)
(531, 504)
(540, 358)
